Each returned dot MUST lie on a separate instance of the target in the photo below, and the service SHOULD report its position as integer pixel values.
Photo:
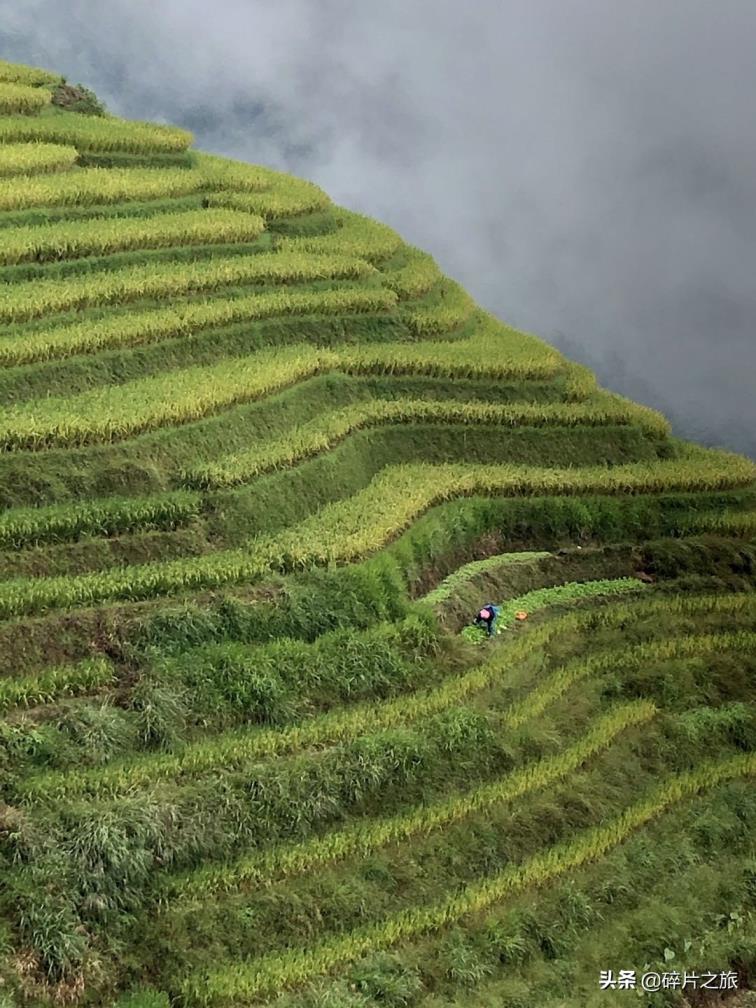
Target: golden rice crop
(625, 659)
(71, 239)
(21, 99)
(18, 73)
(493, 351)
(149, 325)
(88, 186)
(416, 277)
(270, 204)
(323, 432)
(35, 159)
(96, 133)
(356, 235)
(362, 524)
(398, 495)
(447, 308)
(110, 413)
(34, 298)
(234, 982)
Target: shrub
(77, 98)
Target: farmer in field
(486, 618)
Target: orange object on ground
(521, 615)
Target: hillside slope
(261, 463)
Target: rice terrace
(262, 464)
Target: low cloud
(586, 169)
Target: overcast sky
(586, 168)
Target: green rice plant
(322, 433)
(147, 326)
(54, 683)
(355, 235)
(452, 584)
(232, 983)
(19, 73)
(21, 527)
(494, 351)
(624, 660)
(70, 239)
(35, 159)
(94, 133)
(33, 298)
(362, 838)
(235, 748)
(724, 522)
(21, 99)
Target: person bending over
(486, 618)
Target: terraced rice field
(260, 464)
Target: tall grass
(238, 747)
(455, 581)
(362, 838)
(231, 983)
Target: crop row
(397, 496)
(356, 235)
(452, 584)
(235, 748)
(266, 192)
(34, 298)
(94, 133)
(19, 73)
(69, 239)
(111, 413)
(493, 351)
(362, 838)
(54, 683)
(21, 527)
(362, 524)
(232, 983)
(22, 99)
(625, 659)
(35, 158)
(729, 523)
(416, 276)
(151, 325)
(238, 747)
(323, 432)
(447, 307)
